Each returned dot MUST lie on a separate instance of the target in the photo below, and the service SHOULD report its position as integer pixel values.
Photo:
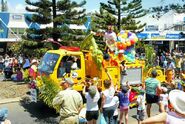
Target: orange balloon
(125, 45)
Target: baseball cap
(92, 91)
(68, 80)
(3, 114)
(154, 73)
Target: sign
(17, 17)
(157, 36)
(33, 93)
(172, 36)
(151, 28)
(142, 35)
(158, 42)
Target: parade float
(89, 61)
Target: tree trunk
(119, 17)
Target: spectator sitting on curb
(3, 116)
(18, 76)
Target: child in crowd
(164, 99)
(124, 102)
(141, 106)
(115, 116)
(18, 76)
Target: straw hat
(177, 99)
(33, 61)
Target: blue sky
(19, 5)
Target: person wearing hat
(33, 69)
(70, 102)
(152, 87)
(177, 116)
(3, 116)
(92, 97)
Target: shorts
(90, 115)
(150, 98)
(140, 115)
(123, 108)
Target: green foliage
(60, 15)
(121, 13)
(48, 91)
(89, 43)
(150, 56)
(30, 48)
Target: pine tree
(122, 14)
(70, 13)
(4, 6)
(60, 14)
(42, 16)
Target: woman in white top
(108, 104)
(92, 97)
(177, 116)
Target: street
(38, 113)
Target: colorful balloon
(128, 44)
(132, 41)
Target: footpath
(12, 91)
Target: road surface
(38, 113)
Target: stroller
(8, 71)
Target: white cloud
(19, 8)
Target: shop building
(165, 33)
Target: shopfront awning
(17, 24)
(10, 39)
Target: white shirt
(92, 104)
(141, 102)
(110, 36)
(171, 65)
(74, 66)
(116, 100)
(164, 99)
(109, 94)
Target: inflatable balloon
(128, 44)
(132, 41)
(124, 46)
